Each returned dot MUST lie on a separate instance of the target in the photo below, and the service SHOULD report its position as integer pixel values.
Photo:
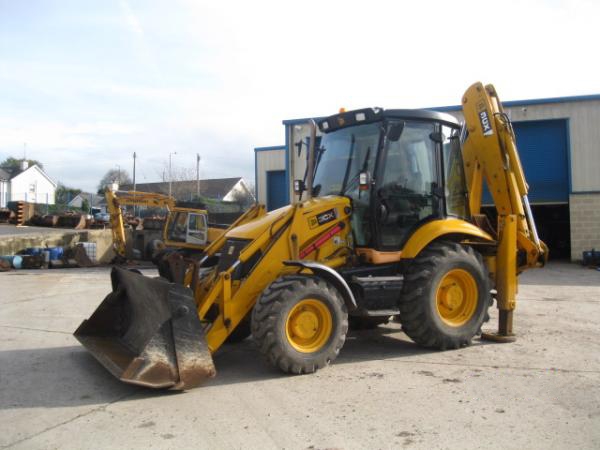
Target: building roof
(506, 104)
(269, 148)
(530, 102)
(93, 199)
(215, 188)
(4, 175)
(14, 172)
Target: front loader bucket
(147, 332)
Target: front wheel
(300, 323)
(446, 296)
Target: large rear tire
(446, 296)
(300, 323)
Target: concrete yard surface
(542, 391)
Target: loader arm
(490, 154)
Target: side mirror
(299, 187)
(364, 181)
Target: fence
(41, 200)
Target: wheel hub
(457, 297)
(309, 325)
(305, 324)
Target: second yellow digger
(390, 225)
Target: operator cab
(186, 226)
(400, 168)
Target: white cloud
(218, 77)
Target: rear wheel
(446, 296)
(300, 323)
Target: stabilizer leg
(506, 280)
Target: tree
(85, 206)
(244, 198)
(11, 164)
(114, 176)
(64, 194)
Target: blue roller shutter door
(543, 149)
(276, 189)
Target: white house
(4, 183)
(30, 184)
(94, 200)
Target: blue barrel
(17, 261)
(55, 253)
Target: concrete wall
(32, 186)
(10, 245)
(267, 160)
(585, 223)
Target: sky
(84, 84)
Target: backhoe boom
(490, 154)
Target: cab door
(408, 174)
(197, 229)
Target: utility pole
(170, 174)
(198, 176)
(134, 156)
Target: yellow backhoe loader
(184, 227)
(387, 223)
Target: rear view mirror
(299, 187)
(364, 180)
(395, 131)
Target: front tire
(446, 296)
(300, 323)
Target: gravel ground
(542, 391)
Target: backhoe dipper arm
(114, 200)
(490, 154)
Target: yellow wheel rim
(309, 325)
(456, 297)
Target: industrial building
(559, 145)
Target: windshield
(341, 157)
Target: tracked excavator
(387, 222)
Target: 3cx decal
(322, 218)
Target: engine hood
(256, 227)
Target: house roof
(93, 199)
(215, 188)
(14, 172)
(4, 175)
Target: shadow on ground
(70, 376)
